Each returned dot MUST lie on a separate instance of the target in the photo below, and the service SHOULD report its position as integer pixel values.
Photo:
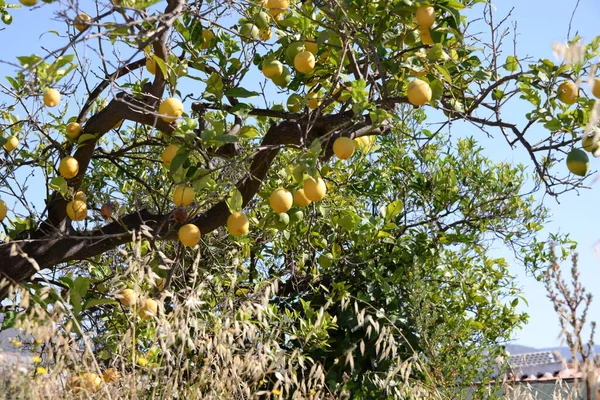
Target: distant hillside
(564, 351)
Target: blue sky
(540, 23)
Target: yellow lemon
(170, 109)
(51, 97)
(28, 3)
(110, 375)
(311, 45)
(11, 143)
(281, 200)
(128, 297)
(169, 153)
(343, 147)
(90, 382)
(265, 34)
(567, 92)
(151, 65)
(148, 309)
(272, 68)
(80, 196)
(425, 35)
(295, 103)
(77, 210)
(425, 16)
(300, 198)
(82, 21)
(238, 224)
(596, 88)
(312, 100)
(183, 195)
(189, 235)
(207, 36)
(73, 130)
(315, 189)
(304, 62)
(419, 92)
(68, 167)
(3, 210)
(277, 7)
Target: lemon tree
(196, 152)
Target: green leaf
(240, 92)
(178, 161)
(59, 184)
(98, 302)
(214, 85)
(511, 64)
(226, 138)
(86, 137)
(483, 75)
(241, 109)
(444, 73)
(81, 285)
(235, 201)
(161, 64)
(393, 209)
(10, 317)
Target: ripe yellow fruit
(300, 198)
(169, 153)
(90, 382)
(3, 210)
(110, 375)
(343, 147)
(425, 16)
(189, 235)
(272, 68)
(28, 3)
(315, 190)
(80, 196)
(265, 34)
(151, 65)
(118, 124)
(419, 92)
(82, 21)
(170, 109)
(238, 224)
(77, 210)
(73, 130)
(312, 100)
(311, 45)
(148, 309)
(183, 195)
(596, 88)
(68, 167)
(567, 92)
(425, 35)
(128, 297)
(11, 143)
(51, 97)
(277, 7)
(304, 62)
(207, 36)
(281, 200)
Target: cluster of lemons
(578, 161)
